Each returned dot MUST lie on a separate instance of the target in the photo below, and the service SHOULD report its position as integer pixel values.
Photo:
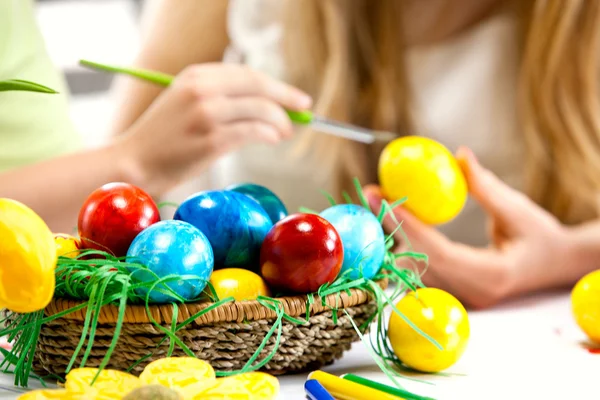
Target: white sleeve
(255, 30)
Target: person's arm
(207, 111)
(584, 242)
(57, 188)
(176, 35)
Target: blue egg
(362, 237)
(263, 196)
(172, 247)
(234, 224)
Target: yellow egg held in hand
(28, 259)
(585, 304)
(238, 283)
(425, 172)
(438, 314)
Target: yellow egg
(66, 245)
(238, 283)
(585, 303)
(426, 173)
(441, 316)
(27, 257)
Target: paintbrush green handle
(299, 117)
(146, 75)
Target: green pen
(384, 388)
(307, 117)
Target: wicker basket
(226, 336)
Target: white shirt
(464, 94)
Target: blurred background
(106, 31)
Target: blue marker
(316, 391)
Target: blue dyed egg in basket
(234, 224)
(167, 248)
(362, 237)
(265, 197)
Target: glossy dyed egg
(265, 197)
(234, 224)
(438, 314)
(238, 283)
(301, 253)
(427, 173)
(362, 237)
(113, 215)
(585, 304)
(27, 258)
(66, 245)
(172, 247)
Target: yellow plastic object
(27, 257)
(178, 373)
(248, 386)
(438, 314)
(66, 245)
(585, 304)
(53, 394)
(110, 384)
(426, 173)
(238, 283)
(343, 389)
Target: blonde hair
(348, 54)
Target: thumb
(374, 197)
(498, 199)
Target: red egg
(300, 253)
(113, 215)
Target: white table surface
(527, 349)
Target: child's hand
(527, 251)
(207, 111)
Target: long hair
(348, 54)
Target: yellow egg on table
(426, 173)
(438, 314)
(585, 303)
(27, 257)
(238, 283)
(66, 245)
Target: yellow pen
(343, 389)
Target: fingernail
(304, 101)
(373, 200)
(470, 155)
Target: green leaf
(25, 86)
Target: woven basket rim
(294, 306)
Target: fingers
(422, 237)
(232, 136)
(237, 80)
(224, 110)
(501, 201)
